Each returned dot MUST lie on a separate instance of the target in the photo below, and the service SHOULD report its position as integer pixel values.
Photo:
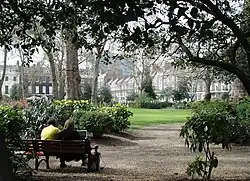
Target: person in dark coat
(69, 133)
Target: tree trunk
(61, 80)
(95, 78)
(22, 72)
(6, 172)
(53, 73)
(61, 75)
(73, 78)
(238, 90)
(208, 82)
(4, 70)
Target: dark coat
(69, 134)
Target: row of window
(7, 79)
(37, 90)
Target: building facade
(12, 77)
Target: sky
(13, 57)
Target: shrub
(36, 116)
(12, 125)
(243, 114)
(94, 121)
(209, 123)
(120, 115)
(149, 103)
(107, 119)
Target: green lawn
(145, 117)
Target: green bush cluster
(120, 114)
(148, 103)
(235, 115)
(12, 126)
(95, 122)
(103, 120)
(39, 111)
(218, 122)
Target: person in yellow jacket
(51, 131)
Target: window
(44, 90)
(213, 87)
(29, 89)
(6, 91)
(50, 89)
(37, 89)
(14, 79)
(6, 78)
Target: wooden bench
(47, 148)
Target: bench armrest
(95, 148)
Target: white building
(169, 79)
(12, 76)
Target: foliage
(12, 125)
(167, 93)
(211, 122)
(197, 168)
(225, 96)
(16, 92)
(63, 109)
(105, 95)
(147, 86)
(95, 122)
(243, 113)
(132, 97)
(182, 91)
(36, 116)
(38, 112)
(120, 115)
(144, 101)
(112, 119)
(182, 105)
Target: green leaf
(194, 12)
(190, 23)
(181, 11)
(207, 25)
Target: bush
(218, 122)
(149, 103)
(243, 114)
(211, 122)
(95, 122)
(12, 125)
(120, 115)
(107, 119)
(36, 115)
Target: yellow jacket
(50, 133)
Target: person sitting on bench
(51, 131)
(69, 133)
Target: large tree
(189, 26)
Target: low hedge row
(96, 119)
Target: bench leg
(36, 163)
(97, 162)
(89, 163)
(47, 162)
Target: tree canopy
(190, 29)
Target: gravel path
(150, 153)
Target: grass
(146, 117)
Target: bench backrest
(57, 146)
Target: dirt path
(151, 153)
